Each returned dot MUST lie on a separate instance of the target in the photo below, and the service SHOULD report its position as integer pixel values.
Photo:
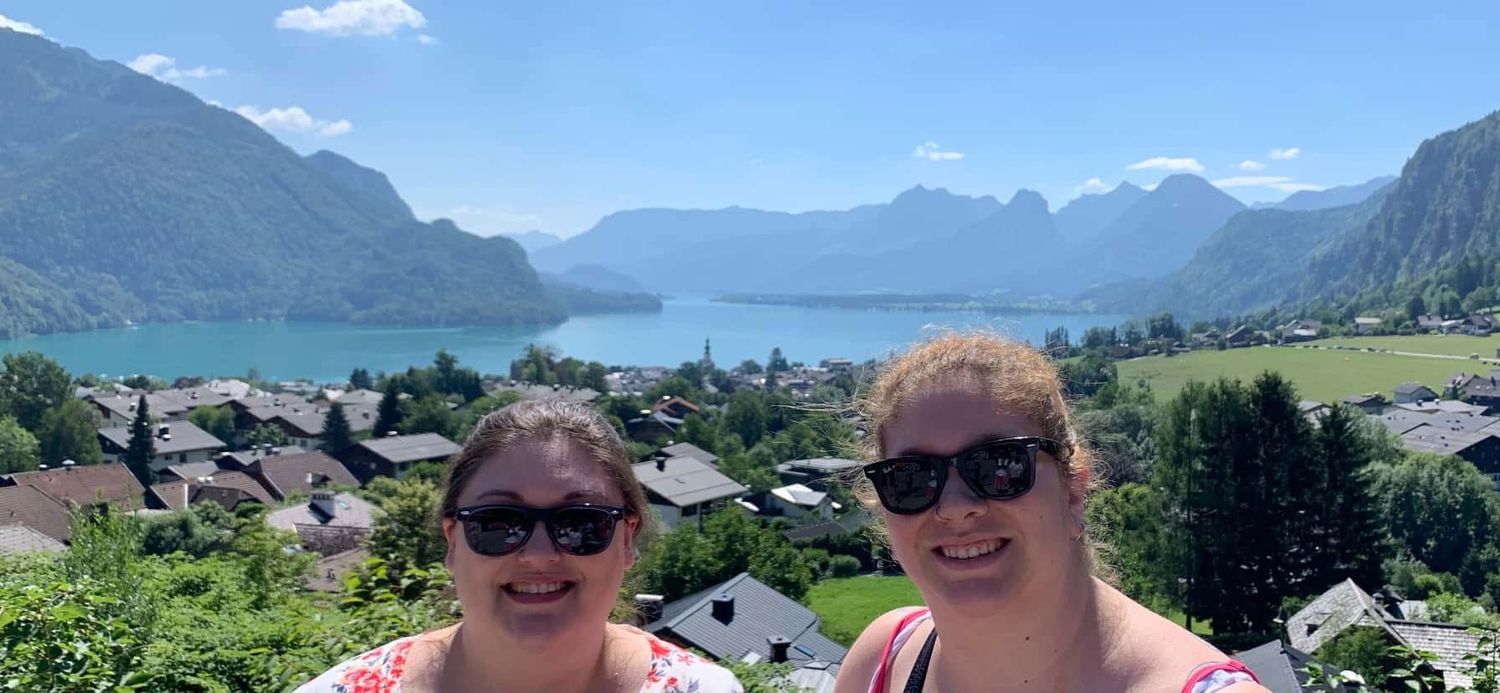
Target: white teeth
(970, 550)
(535, 587)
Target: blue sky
(507, 116)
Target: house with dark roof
(118, 409)
(1413, 392)
(1483, 390)
(301, 474)
(226, 488)
(680, 488)
(1345, 606)
(84, 485)
(176, 442)
(814, 473)
(191, 398)
(394, 456)
(652, 427)
(303, 424)
(675, 407)
(848, 523)
(25, 505)
(1282, 668)
(1372, 403)
(328, 523)
(744, 620)
(1480, 448)
(1445, 406)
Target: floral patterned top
(673, 670)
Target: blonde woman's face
(1030, 539)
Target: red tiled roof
(28, 506)
(87, 484)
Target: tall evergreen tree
(336, 435)
(388, 415)
(1346, 446)
(142, 446)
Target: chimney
(661, 463)
(648, 607)
(185, 490)
(723, 607)
(779, 647)
(322, 503)
(164, 431)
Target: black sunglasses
(583, 529)
(999, 469)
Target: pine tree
(336, 435)
(1346, 448)
(388, 415)
(360, 379)
(142, 446)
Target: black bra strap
(918, 675)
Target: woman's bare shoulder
(864, 655)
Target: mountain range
(123, 198)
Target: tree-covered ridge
(150, 205)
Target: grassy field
(847, 605)
(1319, 374)
(1445, 344)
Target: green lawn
(847, 605)
(1320, 374)
(1446, 344)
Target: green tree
(217, 421)
(750, 367)
(336, 434)
(266, 434)
(1131, 518)
(142, 446)
(777, 363)
(407, 534)
(68, 433)
(1345, 444)
(428, 415)
(388, 414)
(1438, 507)
(360, 379)
(748, 416)
(30, 385)
(18, 448)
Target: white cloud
(1167, 164)
(1251, 165)
(426, 40)
(165, 69)
(19, 26)
(487, 222)
(1283, 154)
(353, 17)
(293, 119)
(1282, 183)
(1092, 186)
(932, 152)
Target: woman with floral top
(542, 515)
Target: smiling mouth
(536, 588)
(964, 552)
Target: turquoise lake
(327, 352)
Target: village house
(1366, 325)
(303, 424)
(815, 472)
(25, 505)
(683, 488)
(85, 486)
(1476, 389)
(17, 539)
(328, 523)
(192, 398)
(176, 442)
(228, 489)
(1478, 325)
(364, 398)
(1429, 323)
(1413, 392)
(285, 476)
(394, 456)
(837, 364)
(849, 523)
(796, 501)
(1346, 606)
(745, 620)
(1300, 330)
(685, 450)
(1282, 668)
(1373, 403)
(652, 427)
(1444, 406)
(119, 409)
(1479, 447)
